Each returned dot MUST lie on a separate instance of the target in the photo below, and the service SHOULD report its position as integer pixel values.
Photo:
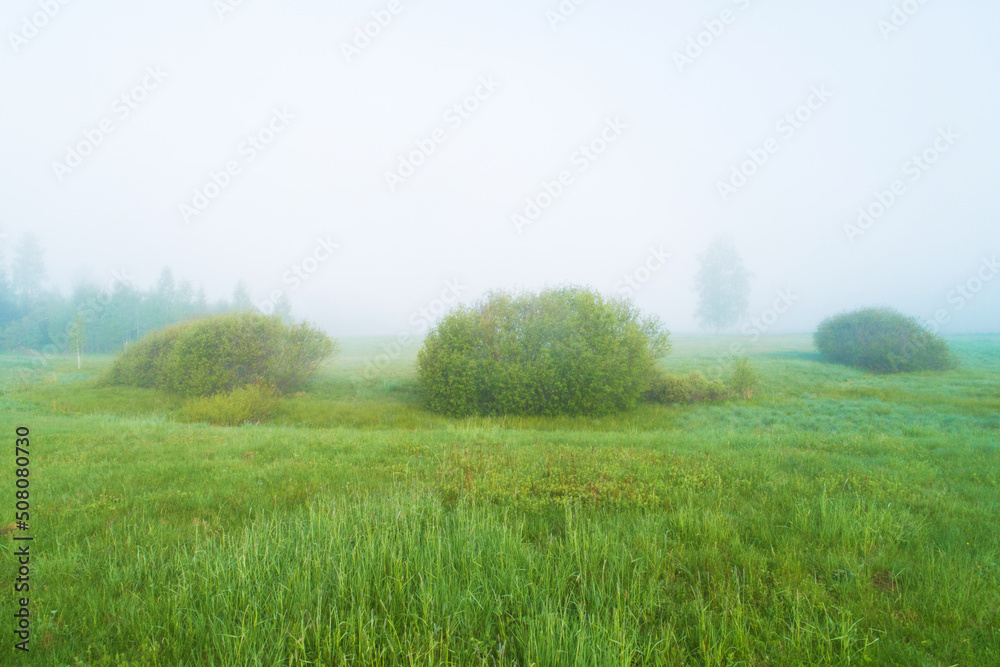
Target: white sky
(656, 186)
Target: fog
(236, 140)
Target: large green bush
(883, 341)
(564, 351)
(221, 353)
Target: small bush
(691, 388)
(666, 388)
(252, 403)
(744, 379)
(881, 340)
(717, 390)
(563, 351)
(696, 385)
(218, 354)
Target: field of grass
(836, 518)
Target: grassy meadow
(836, 518)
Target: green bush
(881, 340)
(691, 388)
(252, 403)
(744, 379)
(218, 354)
(564, 351)
(717, 390)
(142, 364)
(667, 389)
(697, 386)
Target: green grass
(835, 518)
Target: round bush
(881, 340)
(564, 351)
(222, 353)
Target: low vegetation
(882, 340)
(837, 518)
(252, 404)
(694, 387)
(219, 354)
(563, 351)
(742, 381)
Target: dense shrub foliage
(250, 404)
(666, 388)
(744, 379)
(221, 353)
(883, 341)
(564, 351)
(694, 387)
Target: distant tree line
(95, 318)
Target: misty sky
(310, 128)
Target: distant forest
(97, 318)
